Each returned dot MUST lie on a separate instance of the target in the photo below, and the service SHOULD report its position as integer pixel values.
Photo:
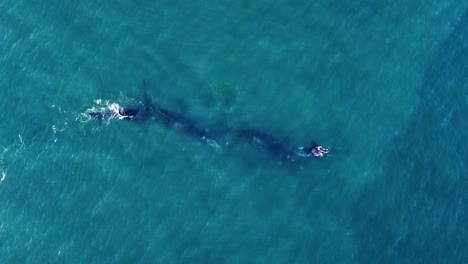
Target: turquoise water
(383, 83)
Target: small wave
(55, 129)
(212, 143)
(58, 107)
(3, 175)
(21, 139)
(2, 168)
(16, 148)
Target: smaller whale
(279, 148)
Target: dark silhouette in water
(279, 148)
(180, 122)
(267, 142)
(147, 110)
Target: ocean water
(383, 84)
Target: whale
(280, 148)
(147, 110)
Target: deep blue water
(383, 84)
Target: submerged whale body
(180, 122)
(267, 142)
(146, 110)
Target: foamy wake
(104, 108)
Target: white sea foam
(2, 161)
(55, 129)
(3, 176)
(107, 110)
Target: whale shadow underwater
(146, 110)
